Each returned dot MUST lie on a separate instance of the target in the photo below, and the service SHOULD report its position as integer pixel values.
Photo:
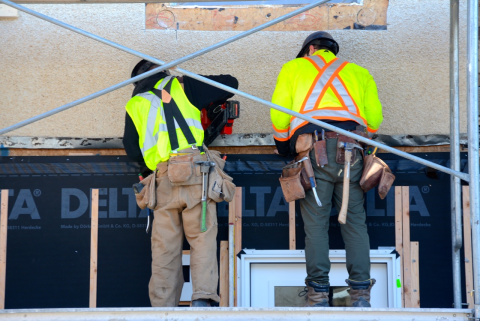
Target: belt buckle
(179, 154)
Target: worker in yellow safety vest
(343, 94)
(162, 123)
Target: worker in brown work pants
(163, 126)
(179, 210)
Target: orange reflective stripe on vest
(328, 78)
(281, 134)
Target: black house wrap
(48, 255)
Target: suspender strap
(172, 114)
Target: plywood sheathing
(44, 66)
(373, 13)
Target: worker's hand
(276, 152)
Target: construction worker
(343, 94)
(151, 138)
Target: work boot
(201, 303)
(317, 294)
(360, 292)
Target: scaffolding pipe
(118, 46)
(455, 184)
(144, 75)
(473, 161)
(367, 141)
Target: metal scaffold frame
(472, 177)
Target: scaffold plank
(237, 314)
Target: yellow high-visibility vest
(323, 86)
(148, 114)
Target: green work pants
(316, 219)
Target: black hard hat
(141, 67)
(319, 38)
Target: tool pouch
(376, 172)
(340, 157)
(182, 170)
(290, 181)
(294, 180)
(220, 185)
(386, 183)
(304, 144)
(320, 148)
(304, 180)
(147, 196)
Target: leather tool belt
(375, 171)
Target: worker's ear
(311, 50)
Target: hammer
(311, 177)
(204, 169)
(342, 215)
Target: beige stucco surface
(44, 66)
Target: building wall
(45, 66)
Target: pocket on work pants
(164, 191)
(191, 195)
(356, 169)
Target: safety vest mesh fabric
(148, 115)
(328, 78)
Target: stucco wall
(44, 66)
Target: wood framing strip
(467, 247)
(246, 150)
(237, 237)
(238, 220)
(3, 245)
(399, 233)
(94, 250)
(291, 225)
(407, 261)
(414, 254)
(224, 273)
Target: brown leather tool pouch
(304, 180)
(304, 144)
(385, 182)
(321, 156)
(376, 172)
(294, 180)
(290, 181)
(181, 170)
(340, 158)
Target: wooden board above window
(366, 15)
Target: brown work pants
(178, 211)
